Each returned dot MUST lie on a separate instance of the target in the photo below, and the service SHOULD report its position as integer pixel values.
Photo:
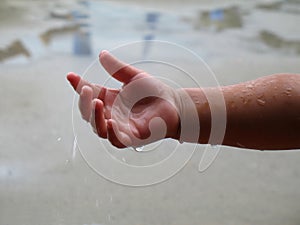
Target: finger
(74, 79)
(78, 83)
(116, 68)
(99, 121)
(115, 136)
(85, 102)
(98, 91)
(92, 118)
(108, 94)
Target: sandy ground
(38, 186)
(42, 183)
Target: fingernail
(94, 102)
(103, 52)
(84, 90)
(109, 124)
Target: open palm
(142, 111)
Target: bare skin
(262, 114)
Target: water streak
(74, 148)
(261, 102)
(109, 217)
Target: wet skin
(261, 114)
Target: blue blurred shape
(84, 3)
(146, 49)
(82, 43)
(152, 19)
(217, 15)
(82, 38)
(149, 37)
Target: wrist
(193, 109)
(187, 127)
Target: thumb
(117, 69)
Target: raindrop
(250, 86)
(245, 100)
(232, 104)
(59, 139)
(123, 159)
(208, 157)
(288, 91)
(74, 148)
(214, 146)
(240, 145)
(73, 153)
(261, 102)
(139, 149)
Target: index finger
(78, 83)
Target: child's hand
(143, 111)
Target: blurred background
(43, 179)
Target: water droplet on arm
(261, 102)
(288, 92)
(250, 86)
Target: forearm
(260, 114)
